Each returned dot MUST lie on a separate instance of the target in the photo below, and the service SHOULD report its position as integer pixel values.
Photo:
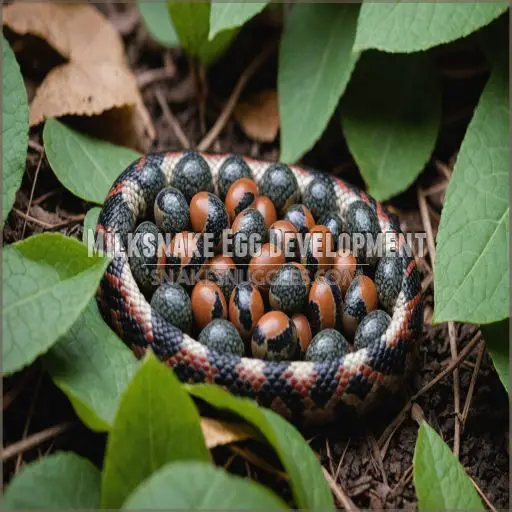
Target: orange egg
(208, 215)
(221, 270)
(245, 308)
(208, 303)
(360, 299)
(274, 337)
(319, 252)
(266, 207)
(185, 255)
(343, 269)
(283, 234)
(241, 195)
(303, 331)
(324, 305)
(264, 266)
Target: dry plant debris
(258, 116)
(95, 78)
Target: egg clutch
(261, 271)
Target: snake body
(300, 391)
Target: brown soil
(354, 456)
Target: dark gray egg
(327, 345)
(222, 336)
(371, 328)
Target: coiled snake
(300, 391)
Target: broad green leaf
(440, 480)
(497, 341)
(414, 26)
(158, 22)
(315, 64)
(200, 486)
(308, 484)
(59, 481)
(156, 423)
(85, 166)
(14, 128)
(471, 278)
(93, 367)
(47, 282)
(226, 15)
(90, 221)
(391, 113)
(192, 23)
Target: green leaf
(156, 423)
(497, 339)
(59, 481)
(226, 15)
(85, 166)
(14, 128)
(47, 282)
(90, 221)
(308, 484)
(200, 486)
(192, 23)
(93, 367)
(158, 22)
(411, 27)
(315, 64)
(440, 480)
(391, 128)
(472, 268)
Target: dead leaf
(96, 77)
(217, 433)
(259, 116)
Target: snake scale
(302, 392)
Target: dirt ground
(368, 466)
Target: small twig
(151, 76)
(70, 220)
(32, 192)
(482, 495)
(171, 120)
(33, 440)
(449, 369)
(11, 395)
(45, 196)
(427, 226)
(341, 460)
(404, 480)
(338, 491)
(230, 460)
(32, 144)
(329, 456)
(199, 79)
(387, 435)
(233, 99)
(456, 389)
(378, 458)
(469, 396)
(426, 282)
(29, 417)
(434, 189)
(402, 415)
(385, 438)
(443, 169)
(250, 456)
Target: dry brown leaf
(96, 77)
(217, 433)
(259, 116)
